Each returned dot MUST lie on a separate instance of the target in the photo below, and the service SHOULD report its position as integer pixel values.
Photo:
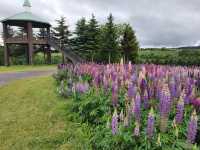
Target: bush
(97, 106)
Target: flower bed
(135, 106)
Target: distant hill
(189, 47)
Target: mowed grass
(34, 117)
(20, 68)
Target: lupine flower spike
(180, 111)
(146, 99)
(150, 124)
(121, 116)
(137, 129)
(165, 104)
(115, 122)
(137, 108)
(192, 128)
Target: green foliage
(61, 75)
(92, 107)
(39, 58)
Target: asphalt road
(5, 78)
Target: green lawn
(21, 68)
(34, 117)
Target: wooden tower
(26, 20)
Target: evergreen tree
(61, 33)
(93, 37)
(110, 45)
(81, 38)
(129, 44)
(21, 32)
(10, 31)
(42, 33)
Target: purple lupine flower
(137, 129)
(81, 87)
(150, 124)
(192, 128)
(137, 108)
(132, 90)
(179, 111)
(165, 105)
(151, 91)
(146, 99)
(172, 87)
(143, 86)
(188, 90)
(196, 103)
(133, 106)
(105, 83)
(114, 93)
(134, 78)
(114, 122)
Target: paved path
(8, 77)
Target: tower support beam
(6, 50)
(30, 43)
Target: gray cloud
(157, 23)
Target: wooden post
(48, 47)
(30, 43)
(6, 50)
(48, 55)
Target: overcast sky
(157, 23)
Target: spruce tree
(93, 37)
(129, 44)
(81, 38)
(61, 33)
(42, 33)
(110, 46)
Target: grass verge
(33, 116)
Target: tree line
(98, 42)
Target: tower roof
(26, 16)
(27, 3)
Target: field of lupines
(135, 106)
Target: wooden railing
(24, 40)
